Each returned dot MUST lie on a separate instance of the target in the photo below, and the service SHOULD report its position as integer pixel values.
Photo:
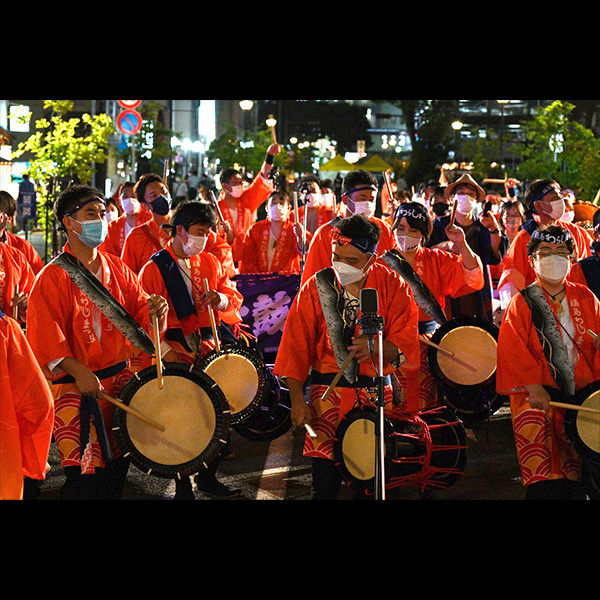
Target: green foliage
(64, 150)
(562, 149)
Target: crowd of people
(170, 259)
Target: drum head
(583, 428)
(193, 411)
(474, 342)
(240, 375)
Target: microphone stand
(372, 324)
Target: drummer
(433, 274)
(177, 273)
(308, 342)
(81, 351)
(274, 244)
(558, 312)
(319, 205)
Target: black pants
(556, 489)
(104, 484)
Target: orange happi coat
(118, 232)
(319, 252)
(544, 452)
(141, 243)
(286, 256)
(26, 247)
(515, 264)
(15, 272)
(26, 412)
(60, 316)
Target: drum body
(272, 418)
(240, 374)
(193, 411)
(427, 450)
(471, 393)
(583, 428)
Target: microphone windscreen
(369, 301)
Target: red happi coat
(26, 412)
(203, 266)
(15, 272)
(286, 256)
(306, 344)
(319, 252)
(115, 239)
(542, 446)
(26, 247)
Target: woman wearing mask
(544, 355)
(433, 275)
(181, 267)
(275, 243)
(134, 214)
(483, 237)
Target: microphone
(370, 322)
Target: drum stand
(371, 325)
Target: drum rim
(570, 423)
(240, 416)
(440, 332)
(222, 422)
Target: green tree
(563, 149)
(64, 151)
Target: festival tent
(373, 164)
(337, 163)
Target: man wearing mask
(547, 207)
(322, 329)
(483, 237)
(238, 205)
(134, 214)
(181, 267)
(545, 355)
(319, 206)
(275, 243)
(80, 350)
(359, 196)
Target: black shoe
(183, 489)
(213, 487)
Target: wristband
(269, 158)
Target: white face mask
(464, 203)
(313, 200)
(195, 244)
(407, 243)
(552, 268)
(347, 274)
(130, 205)
(364, 208)
(236, 190)
(568, 216)
(557, 209)
(278, 212)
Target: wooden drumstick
(157, 349)
(295, 198)
(575, 407)
(338, 375)
(448, 353)
(213, 323)
(132, 411)
(452, 215)
(16, 306)
(271, 123)
(310, 430)
(592, 334)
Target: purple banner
(267, 300)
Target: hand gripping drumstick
(213, 323)
(131, 411)
(338, 375)
(159, 365)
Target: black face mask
(440, 209)
(161, 205)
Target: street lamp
(502, 103)
(246, 105)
